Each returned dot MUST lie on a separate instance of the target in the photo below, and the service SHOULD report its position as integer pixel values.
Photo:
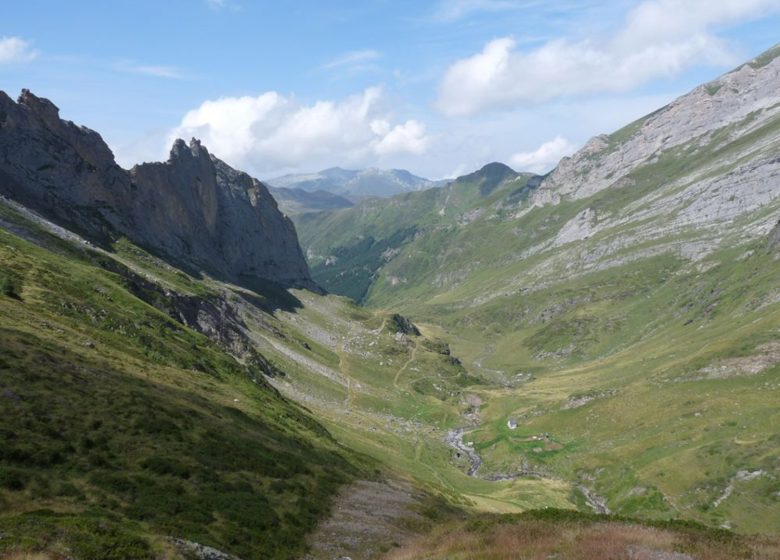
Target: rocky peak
(43, 108)
(193, 209)
(181, 151)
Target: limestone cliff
(193, 209)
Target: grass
(120, 425)
(622, 317)
(565, 534)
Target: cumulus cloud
(272, 131)
(544, 158)
(407, 138)
(659, 38)
(14, 49)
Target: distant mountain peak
(489, 177)
(355, 183)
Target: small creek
(454, 439)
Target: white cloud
(156, 71)
(14, 49)
(407, 138)
(271, 131)
(659, 38)
(216, 4)
(544, 158)
(353, 59)
(451, 10)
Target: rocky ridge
(749, 92)
(193, 209)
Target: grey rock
(747, 91)
(194, 209)
(773, 239)
(200, 551)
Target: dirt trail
(367, 520)
(403, 367)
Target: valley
(618, 310)
(574, 362)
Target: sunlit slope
(625, 308)
(122, 427)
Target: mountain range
(355, 184)
(581, 365)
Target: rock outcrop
(193, 209)
(744, 99)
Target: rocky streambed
(454, 438)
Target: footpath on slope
(368, 519)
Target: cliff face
(194, 208)
(736, 103)
(62, 170)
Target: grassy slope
(394, 400)
(563, 534)
(121, 426)
(365, 238)
(654, 437)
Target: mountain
(625, 306)
(194, 209)
(532, 353)
(299, 201)
(349, 248)
(355, 184)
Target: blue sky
(438, 87)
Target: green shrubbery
(7, 286)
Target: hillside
(624, 306)
(124, 422)
(138, 414)
(348, 249)
(573, 365)
(299, 201)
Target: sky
(439, 88)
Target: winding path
(403, 367)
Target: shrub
(7, 286)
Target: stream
(454, 439)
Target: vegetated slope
(355, 184)
(299, 201)
(626, 310)
(122, 426)
(565, 534)
(348, 249)
(135, 406)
